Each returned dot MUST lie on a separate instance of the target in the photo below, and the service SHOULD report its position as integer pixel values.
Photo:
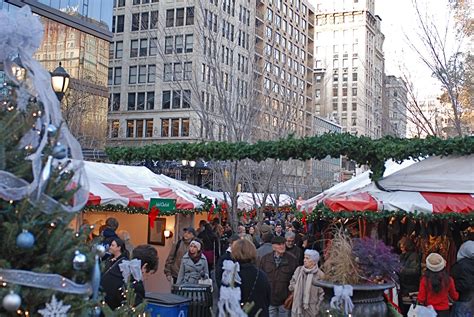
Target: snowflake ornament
(54, 309)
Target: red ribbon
(303, 220)
(152, 215)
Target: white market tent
(433, 185)
(134, 186)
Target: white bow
(342, 298)
(133, 267)
(230, 272)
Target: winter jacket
(297, 253)
(440, 300)
(173, 262)
(111, 281)
(278, 276)
(315, 298)
(410, 272)
(463, 273)
(255, 288)
(190, 272)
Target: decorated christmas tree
(47, 268)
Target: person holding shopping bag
(436, 286)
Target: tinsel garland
(361, 149)
(140, 211)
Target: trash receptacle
(200, 296)
(167, 305)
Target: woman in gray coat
(193, 266)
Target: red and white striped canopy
(433, 185)
(131, 186)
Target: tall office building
(77, 35)
(200, 70)
(171, 63)
(349, 65)
(397, 105)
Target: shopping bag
(206, 281)
(421, 311)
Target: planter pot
(367, 299)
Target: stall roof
(433, 185)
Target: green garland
(140, 211)
(361, 149)
(324, 212)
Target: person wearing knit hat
(307, 297)
(436, 286)
(194, 265)
(463, 274)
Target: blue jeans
(461, 309)
(278, 311)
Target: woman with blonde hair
(254, 286)
(306, 295)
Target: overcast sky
(398, 20)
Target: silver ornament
(11, 302)
(100, 250)
(52, 130)
(25, 240)
(59, 151)
(80, 261)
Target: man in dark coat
(266, 247)
(109, 234)
(297, 252)
(279, 267)
(463, 274)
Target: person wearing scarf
(193, 266)
(306, 296)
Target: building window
(114, 129)
(140, 101)
(334, 106)
(178, 71)
(344, 106)
(170, 18)
(133, 48)
(179, 17)
(189, 15)
(344, 91)
(115, 102)
(142, 74)
(149, 128)
(135, 21)
(168, 72)
(318, 94)
(165, 128)
(189, 43)
(184, 127)
(132, 75)
(120, 3)
(120, 23)
(178, 44)
(150, 100)
(154, 20)
(166, 99)
(139, 131)
(334, 91)
(354, 76)
(118, 76)
(131, 101)
(119, 49)
(168, 45)
(354, 106)
(110, 77)
(130, 128)
(153, 47)
(143, 47)
(151, 73)
(187, 70)
(186, 98)
(175, 127)
(176, 104)
(145, 21)
(354, 91)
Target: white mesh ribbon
(132, 267)
(229, 299)
(21, 36)
(342, 298)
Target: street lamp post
(60, 81)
